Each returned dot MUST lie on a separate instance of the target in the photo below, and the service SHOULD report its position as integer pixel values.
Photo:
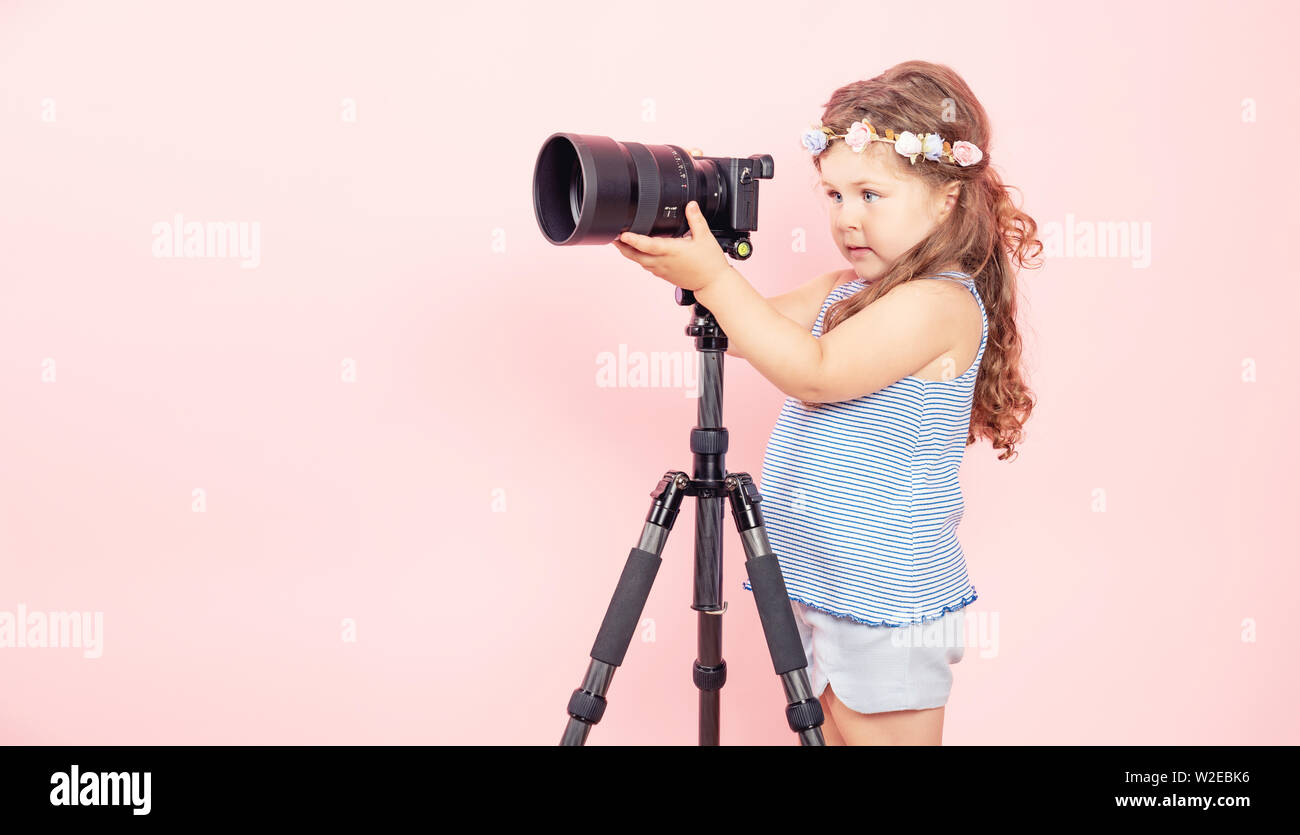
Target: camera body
(739, 177)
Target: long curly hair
(985, 233)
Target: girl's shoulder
(843, 277)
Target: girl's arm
(896, 335)
(892, 337)
(779, 348)
(802, 304)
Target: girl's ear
(948, 195)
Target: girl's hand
(692, 263)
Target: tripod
(708, 485)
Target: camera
(590, 189)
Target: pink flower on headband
(857, 136)
(966, 154)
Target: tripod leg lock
(803, 716)
(587, 707)
(709, 678)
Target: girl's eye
(834, 194)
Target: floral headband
(860, 134)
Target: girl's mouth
(859, 250)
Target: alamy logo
(1099, 239)
(653, 369)
(101, 788)
(53, 629)
(972, 629)
(213, 239)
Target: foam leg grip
(625, 607)
(776, 614)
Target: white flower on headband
(928, 144)
(908, 144)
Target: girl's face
(877, 205)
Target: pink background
(406, 242)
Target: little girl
(891, 368)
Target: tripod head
(708, 334)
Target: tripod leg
(587, 704)
(803, 711)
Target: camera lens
(589, 189)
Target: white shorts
(880, 668)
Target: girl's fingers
(643, 243)
(629, 252)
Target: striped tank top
(861, 498)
